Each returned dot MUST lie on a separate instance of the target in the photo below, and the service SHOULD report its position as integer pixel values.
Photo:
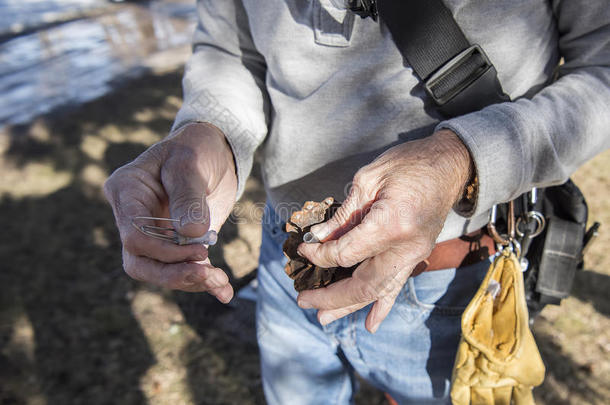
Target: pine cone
(305, 274)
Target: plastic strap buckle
(468, 82)
(364, 8)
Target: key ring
(540, 223)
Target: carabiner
(491, 226)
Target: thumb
(186, 192)
(350, 214)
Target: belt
(467, 249)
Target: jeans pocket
(445, 292)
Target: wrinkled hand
(189, 176)
(390, 220)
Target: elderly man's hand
(188, 176)
(395, 210)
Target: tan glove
(497, 359)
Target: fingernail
(191, 218)
(185, 219)
(304, 304)
(374, 328)
(225, 298)
(327, 318)
(319, 232)
(310, 237)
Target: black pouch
(555, 255)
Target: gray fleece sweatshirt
(325, 92)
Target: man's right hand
(189, 176)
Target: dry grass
(574, 338)
(74, 329)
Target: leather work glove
(497, 359)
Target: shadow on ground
(68, 332)
(566, 381)
(593, 287)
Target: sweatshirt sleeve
(223, 82)
(541, 141)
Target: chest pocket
(332, 26)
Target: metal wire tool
(170, 234)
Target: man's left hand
(389, 223)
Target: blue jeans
(410, 357)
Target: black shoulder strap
(457, 75)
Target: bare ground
(75, 330)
